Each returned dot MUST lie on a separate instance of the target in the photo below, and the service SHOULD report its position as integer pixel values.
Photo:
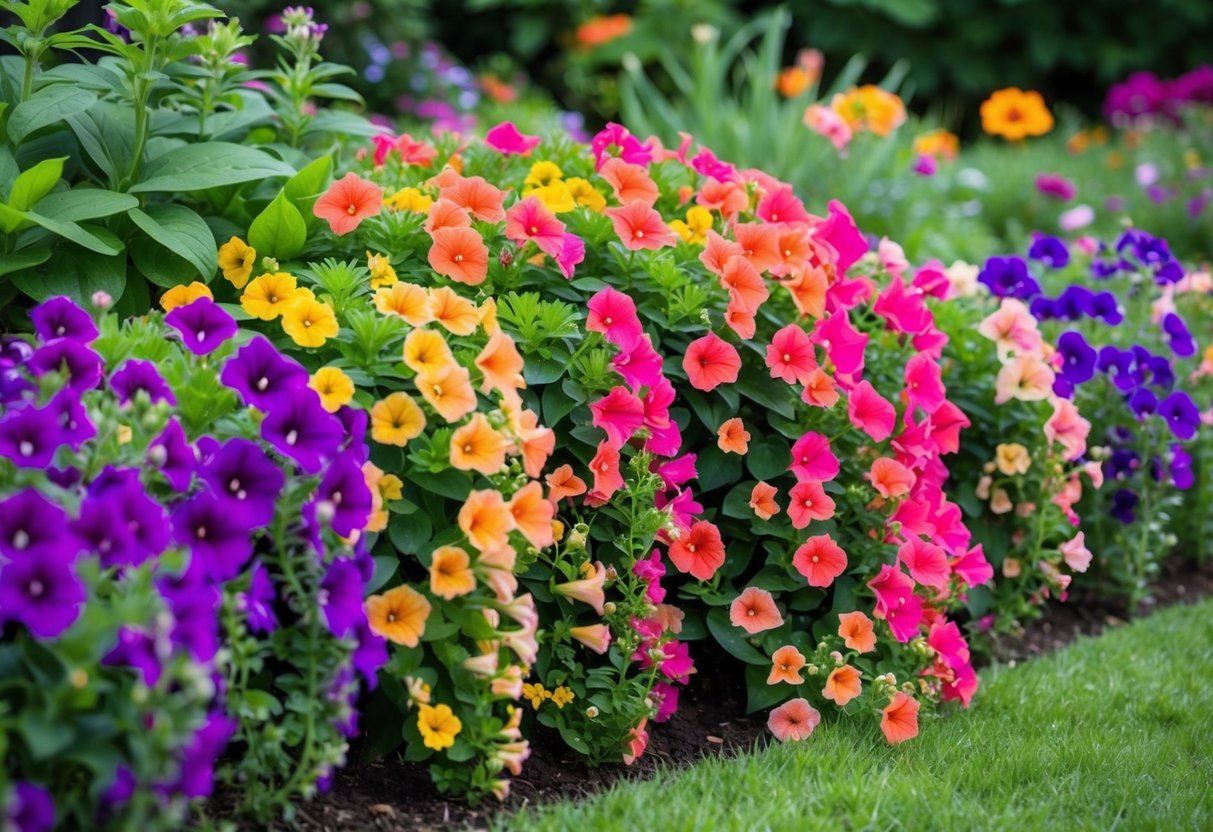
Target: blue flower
(1077, 356)
(1181, 414)
(1050, 250)
(1007, 277)
(1178, 337)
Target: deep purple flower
(1194, 86)
(1141, 94)
(82, 365)
(31, 808)
(340, 597)
(1103, 306)
(29, 437)
(1151, 252)
(1118, 365)
(13, 384)
(29, 522)
(1007, 277)
(371, 653)
(71, 417)
(217, 533)
(1056, 185)
(1161, 374)
(240, 471)
(1121, 464)
(203, 325)
(258, 602)
(103, 532)
(144, 517)
(1181, 473)
(39, 589)
(344, 488)
(1178, 337)
(300, 428)
(1143, 402)
(1183, 418)
(1073, 302)
(1043, 308)
(59, 317)
(197, 778)
(172, 454)
(137, 650)
(1078, 357)
(355, 421)
(261, 374)
(1198, 203)
(1123, 503)
(1050, 250)
(134, 376)
(119, 792)
(194, 603)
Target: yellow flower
(585, 194)
(269, 295)
(556, 197)
(1015, 114)
(406, 300)
(391, 487)
(309, 322)
(425, 351)
(409, 199)
(184, 295)
(535, 693)
(543, 174)
(488, 316)
(695, 229)
(870, 108)
(125, 434)
(562, 696)
(382, 273)
(396, 419)
(236, 258)
(1012, 458)
(557, 531)
(335, 388)
(451, 573)
(438, 726)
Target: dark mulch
(389, 795)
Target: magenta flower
(39, 589)
(619, 413)
(134, 376)
(216, 533)
(1057, 186)
(60, 317)
(203, 325)
(505, 138)
(300, 428)
(812, 458)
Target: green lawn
(1114, 732)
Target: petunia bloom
(786, 664)
(399, 615)
(899, 719)
(812, 458)
(842, 685)
(754, 611)
(639, 226)
(203, 325)
(820, 560)
(506, 139)
(856, 631)
(698, 551)
(790, 355)
(348, 202)
(460, 254)
(762, 500)
(732, 437)
(793, 720)
(529, 221)
(710, 362)
(808, 501)
(451, 573)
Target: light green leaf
(196, 167)
(278, 231)
(182, 232)
(35, 183)
(84, 204)
(74, 272)
(305, 187)
(47, 106)
(96, 239)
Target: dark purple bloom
(134, 376)
(1151, 252)
(1050, 250)
(1118, 365)
(371, 653)
(300, 428)
(240, 471)
(1007, 277)
(1194, 86)
(1143, 402)
(172, 454)
(137, 650)
(1181, 414)
(1121, 464)
(261, 374)
(104, 532)
(203, 325)
(217, 533)
(1178, 336)
(355, 422)
(258, 602)
(82, 365)
(1198, 203)
(1043, 308)
(1077, 356)
(59, 317)
(1056, 185)
(1161, 374)
(31, 808)
(39, 589)
(340, 597)
(29, 437)
(1141, 94)
(1103, 306)
(71, 417)
(1123, 503)
(1073, 302)
(344, 488)
(67, 477)
(121, 790)
(29, 521)
(13, 384)
(144, 517)
(194, 604)
(197, 777)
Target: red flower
(348, 202)
(710, 362)
(698, 551)
(820, 560)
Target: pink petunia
(812, 458)
(613, 313)
(639, 226)
(710, 362)
(505, 138)
(782, 205)
(928, 564)
(640, 365)
(809, 501)
(972, 567)
(790, 355)
(754, 611)
(843, 343)
(572, 253)
(794, 720)
(530, 221)
(903, 308)
(619, 413)
(924, 384)
(870, 412)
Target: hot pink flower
(927, 562)
(842, 342)
(640, 365)
(870, 412)
(782, 205)
(812, 458)
(809, 502)
(529, 220)
(924, 384)
(903, 309)
(615, 140)
(972, 567)
(790, 355)
(892, 588)
(571, 254)
(946, 423)
(639, 226)
(840, 231)
(676, 472)
(710, 362)
(613, 313)
(962, 686)
(506, 139)
(619, 413)
(947, 641)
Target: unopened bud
(506, 257)
(812, 669)
(609, 608)
(611, 573)
(102, 300)
(591, 712)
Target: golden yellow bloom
(438, 726)
(451, 573)
(536, 693)
(396, 419)
(391, 487)
(562, 696)
(556, 197)
(1015, 114)
(870, 108)
(309, 322)
(269, 295)
(409, 199)
(585, 194)
(399, 615)
(695, 229)
(1012, 458)
(382, 273)
(557, 531)
(125, 434)
(542, 174)
(426, 351)
(184, 295)
(488, 316)
(938, 143)
(407, 300)
(335, 388)
(236, 258)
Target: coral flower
(309, 322)
(842, 685)
(476, 446)
(899, 720)
(732, 437)
(438, 726)
(445, 214)
(460, 254)
(754, 611)
(476, 195)
(426, 351)
(486, 520)
(500, 364)
(1026, 378)
(597, 637)
(890, 478)
(762, 500)
(398, 615)
(819, 390)
(454, 313)
(808, 501)
(533, 515)
(710, 362)
(793, 720)
(451, 572)
(348, 202)
(639, 226)
(820, 560)
(529, 221)
(537, 443)
(786, 664)
(790, 355)
(605, 468)
(782, 205)
(396, 419)
(269, 295)
(564, 483)
(759, 244)
(449, 391)
(236, 259)
(505, 138)
(613, 314)
(405, 300)
(1015, 114)
(808, 290)
(619, 413)
(745, 284)
(631, 183)
(698, 551)
(586, 590)
(718, 252)
(602, 29)
(333, 386)
(812, 458)
(856, 631)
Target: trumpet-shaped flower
(812, 458)
(309, 322)
(438, 726)
(820, 560)
(477, 446)
(786, 664)
(927, 562)
(870, 412)
(269, 295)
(631, 183)
(506, 139)
(460, 254)
(449, 391)
(396, 419)
(564, 483)
(808, 501)
(754, 611)
(236, 259)
(890, 478)
(597, 637)
(732, 437)
(710, 362)
(333, 386)
(790, 355)
(605, 468)
(856, 631)
(762, 500)
(456, 314)
(451, 572)
(586, 590)
(619, 414)
(533, 515)
(640, 227)
(475, 195)
(899, 719)
(348, 202)
(486, 520)
(794, 720)
(698, 551)
(842, 685)
(529, 221)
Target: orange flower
(537, 443)
(762, 500)
(446, 214)
(939, 143)
(699, 551)
(729, 198)
(856, 631)
(899, 721)
(586, 590)
(819, 389)
(564, 483)
(597, 637)
(460, 254)
(501, 364)
(1015, 114)
(732, 437)
(639, 226)
(603, 29)
(820, 560)
(476, 195)
(451, 573)
(405, 300)
(792, 81)
(744, 283)
(793, 720)
(870, 108)
(398, 615)
(631, 183)
(486, 520)
(842, 685)
(754, 611)
(786, 665)
(449, 391)
(348, 202)
(890, 478)
(426, 351)
(808, 291)
(759, 244)
(457, 315)
(533, 515)
(476, 446)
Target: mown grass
(1114, 732)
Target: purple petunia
(82, 365)
(217, 534)
(300, 428)
(1180, 469)
(1178, 337)
(29, 437)
(371, 653)
(1181, 413)
(103, 532)
(1056, 185)
(1049, 250)
(1077, 356)
(143, 516)
(194, 603)
(261, 374)
(340, 597)
(14, 352)
(344, 488)
(137, 650)
(30, 809)
(355, 421)
(203, 325)
(60, 317)
(1118, 365)
(71, 417)
(120, 791)
(1121, 464)
(39, 589)
(240, 471)
(1007, 277)
(134, 376)
(197, 770)
(1143, 402)
(1124, 501)
(30, 522)
(258, 602)
(172, 454)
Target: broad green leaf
(196, 167)
(11, 220)
(409, 533)
(25, 259)
(760, 695)
(45, 735)
(733, 639)
(182, 232)
(306, 186)
(74, 272)
(278, 231)
(35, 183)
(95, 239)
(716, 468)
(47, 106)
(84, 204)
(768, 459)
(341, 123)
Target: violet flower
(30, 522)
(1078, 357)
(143, 516)
(1124, 502)
(40, 590)
(344, 488)
(217, 533)
(1183, 418)
(134, 376)
(197, 770)
(82, 365)
(340, 597)
(370, 654)
(203, 325)
(258, 602)
(172, 454)
(300, 428)
(103, 532)
(260, 374)
(241, 472)
(1050, 250)
(60, 317)
(194, 604)
(1178, 337)
(31, 809)
(137, 650)
(1007, 277)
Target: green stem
(27, 83)
(142, 90)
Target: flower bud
(506, 257)
(102, 300)
(612, 574)
(591, 712)
(812, 669)
(609, 608)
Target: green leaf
(716, 468)
(196, 167)
(84, 204)
(733, 639)
(759, 694)
(769, 393)
(449, 483)
(24, 259)
(278, 231)
(47, 106)
(80, 235)
(74, 272)
(35, 183)
(107, 137)
(44, 735)
(768, 459)
(306, 186)
(409, 533)
(574, 740)
(182, 232)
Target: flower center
(640, 234)
(534, 229)
(607, 321)
(263, 383)
(35, 588)
(292, 437)
(200, 532)
(438, 390)
(353, 209)
(273, 298)
(391, 618)
(787, 357)
(691, 548)
(458, 258)
(26, 448)
(467, 449)
(815, 559)
(201, 335)
(20, 539)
